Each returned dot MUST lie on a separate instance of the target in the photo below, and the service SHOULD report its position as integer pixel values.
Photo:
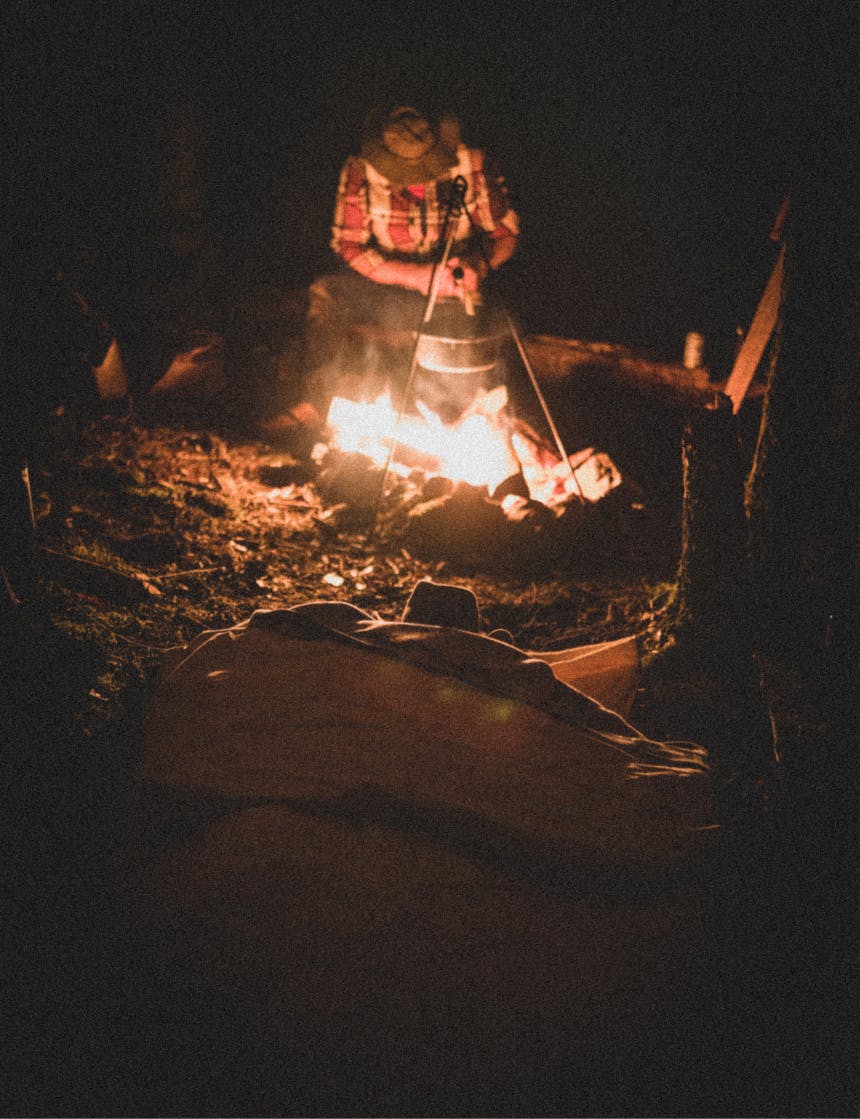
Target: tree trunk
(705, 680)
(799, 551)
(802, 493)
(712, 601)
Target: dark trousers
(356, 332)
(360, 335)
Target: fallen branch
(86, 575)
(186, 574)
(555, 358)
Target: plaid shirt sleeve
(372, 222)
(492, 209)
(351, 233)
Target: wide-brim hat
(415, 149)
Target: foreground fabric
(321, 702)
(403, 869)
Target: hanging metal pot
(456, 342)
(455, 358)
(440, 354)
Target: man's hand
(461, 276)
(465, 276)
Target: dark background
(647, 146)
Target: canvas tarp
(287, 705)
(408, 869)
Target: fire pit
(484, 447)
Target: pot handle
(468, 297)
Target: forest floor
(152, 527)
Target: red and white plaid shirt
(375, 221)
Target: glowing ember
(589, 474)
(483, 448)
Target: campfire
(484, 447)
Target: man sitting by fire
(389, 230)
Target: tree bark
(802, 493)
(704, 680)
(712, 601)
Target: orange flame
(482, 448)
(475, 449)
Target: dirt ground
(180, 524)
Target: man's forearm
(416, 277)
(402, 273)
(501, 250)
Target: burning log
(485, 448)
(632, 408)
(474, 449)
(352, 481)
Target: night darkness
(647, 146)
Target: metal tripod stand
(456, 206)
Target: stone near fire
(462, 525)
(352, 479)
